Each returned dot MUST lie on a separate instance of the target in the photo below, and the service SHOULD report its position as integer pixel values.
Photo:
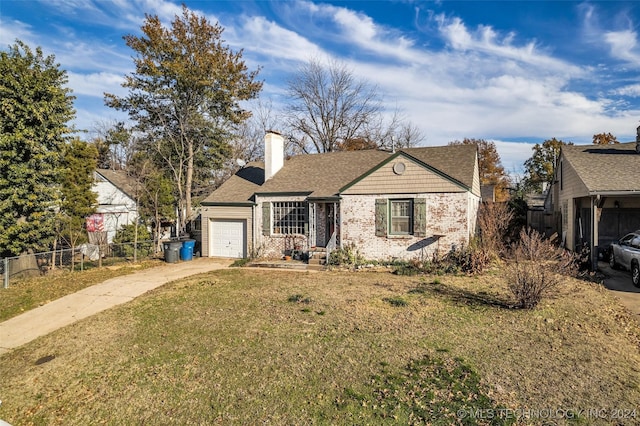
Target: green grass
(241, 347)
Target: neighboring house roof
(120, 180)
(240, 187)
(323, 175)
(605, 168)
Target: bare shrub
(470, 259)
(535, 267)
(494, 220)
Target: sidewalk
(38, 322)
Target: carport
(616, 214)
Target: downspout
(254, 234)
(337, 225)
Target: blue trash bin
(186, 252)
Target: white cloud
(96, 84)
(624, 45)
(632, 90)
(486, 41)
(10, 30)
(269, 39)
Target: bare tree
(331, 110)
(394, 132)
(329, 106)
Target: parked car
(626, 253)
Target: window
(401, 217)
(626, 240)
(289, 218)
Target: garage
(227, 238)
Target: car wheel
(612, 260)
(635, 274)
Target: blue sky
(515, 73)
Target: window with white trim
(289, 217)
(401, 217)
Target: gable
(568, 181)
(392, 178)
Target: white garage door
(227, 238)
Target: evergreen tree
(35, 107)
(77, 198)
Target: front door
(330, 222)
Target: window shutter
(266, 218)
(420, 217)
(381, 217)
(306, 220)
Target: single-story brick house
(388, 205)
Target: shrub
(494, 220)
(535, 267)
(348, 255)
(470, 259)
(125, 237)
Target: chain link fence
(82, 257)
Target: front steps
(317, 258)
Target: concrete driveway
(619, 282)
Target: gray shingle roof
(240, 187)
(456, 161)
(605, 168)
(120, 180)
(322, 175)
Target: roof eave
(615, 193)
(226, 204)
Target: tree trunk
(188, 185)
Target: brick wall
(448, 214)
(274, 246)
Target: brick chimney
(638, 139)
(273, 154)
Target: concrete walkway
(40, 321)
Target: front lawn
(263, 346)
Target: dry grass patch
(28, 293)
(255, 346)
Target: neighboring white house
(116, 204)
